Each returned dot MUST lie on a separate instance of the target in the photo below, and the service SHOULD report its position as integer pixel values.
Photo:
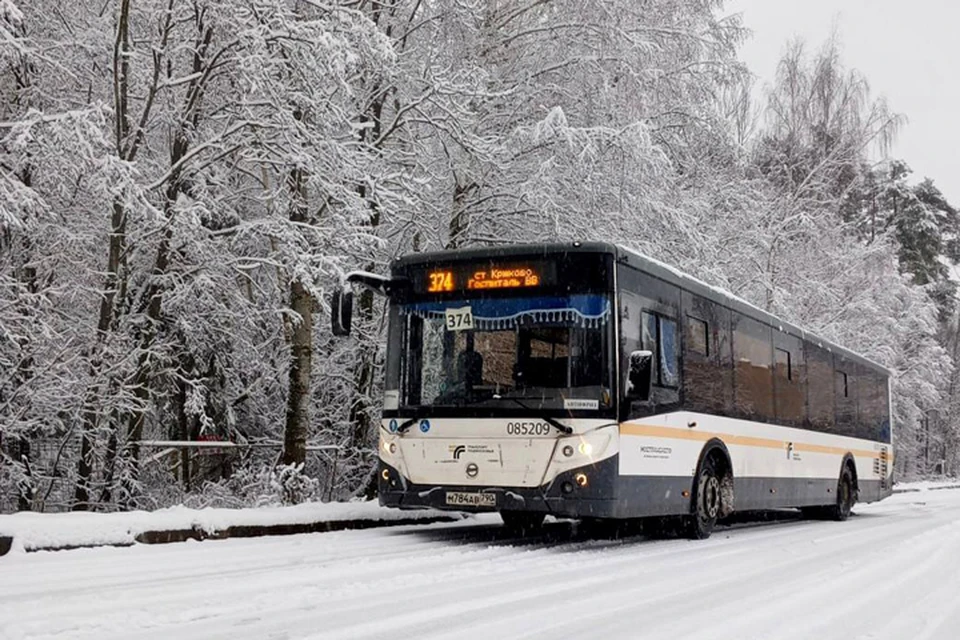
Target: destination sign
(497, 278)
(485, 277)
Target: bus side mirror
(640, 375)
(341, 312)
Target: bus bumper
(563, 496)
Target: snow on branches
(182, 183)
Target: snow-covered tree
(182, 182)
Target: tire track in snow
(665, 594)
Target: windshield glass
(549, 352)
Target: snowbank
(926, 485)
(34, 531)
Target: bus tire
(846, 496)
(707, 501)
(522, 522)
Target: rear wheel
(846, 496)
(522, 522)
(707, 501)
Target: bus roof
(647, 265)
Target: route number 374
(458, 319)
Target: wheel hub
(710, 496)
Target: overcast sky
(909, 52)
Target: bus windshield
(538, 353)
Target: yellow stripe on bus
(692, 433)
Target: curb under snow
(28, 532)
(925, 486)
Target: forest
(183, 183)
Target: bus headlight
(580, 479)
(582, 448)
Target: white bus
(584, 380)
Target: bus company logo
(656, 452)
(458, 451)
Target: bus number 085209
(528, 429)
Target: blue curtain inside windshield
(589, 311)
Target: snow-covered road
(892, 571)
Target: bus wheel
(846, 496)
(522, 522)
(707, 502)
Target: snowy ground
(893, 571)
(32, 531)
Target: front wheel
(706, 502)
(522, 522)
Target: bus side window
(845, 391)
(869, 407)
(648, 333)
(660, 337)
(820, 388)
(669, 357)
(789, 380)
(698, 336)
(753, 373)
(707, 377)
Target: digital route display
(504, 278)
(486, 276)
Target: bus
(585, 380)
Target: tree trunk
(145, 364)
(460, 217)
(298, 399)
(118, 222)
(105, 322)
(363, 378)
(183, 430)
(81, 493)
(301, 344)
(110, 464)
(25, 491)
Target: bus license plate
(460, 499)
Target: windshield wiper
(562, 428)
(406, 425)
(559, 426)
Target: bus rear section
(735, 409)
